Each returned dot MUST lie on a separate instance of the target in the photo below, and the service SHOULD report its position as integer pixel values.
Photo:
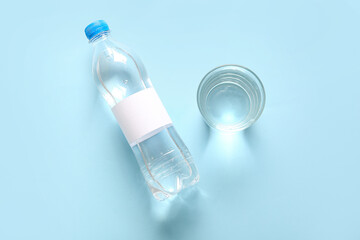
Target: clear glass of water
(231, 98)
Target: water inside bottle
(227, 104)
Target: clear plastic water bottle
(121, 78)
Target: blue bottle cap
(95, 28)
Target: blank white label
(141, 115)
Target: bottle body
(166, 163)
(121, 78)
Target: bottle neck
(99, 38)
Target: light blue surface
(66, 171)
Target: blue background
(66, 171)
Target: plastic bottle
(121, 78)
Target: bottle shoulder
(117, 71)
(115, 51)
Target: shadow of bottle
(175, 218)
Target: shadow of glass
(226, 147)
(252, 137)
(228, 150)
